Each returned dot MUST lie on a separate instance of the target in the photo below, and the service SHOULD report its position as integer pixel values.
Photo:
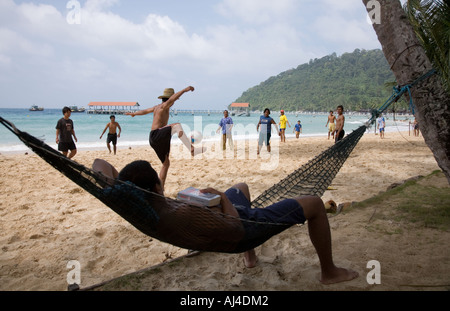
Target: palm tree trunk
(408, 62)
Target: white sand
(47, 220)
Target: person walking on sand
(381, 124)
(226, 124)
(416, 127)
(161, 133)
(340, 121)
(64, 132)
(330, 124)
(112, 134)
(265, 122)
(298, 129)
(283, 121)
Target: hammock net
(197, 228)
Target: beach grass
(417, 201)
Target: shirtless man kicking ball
(161, 133)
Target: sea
(135, 131)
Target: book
(194, 196)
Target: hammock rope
(398, 92)
(198, 228)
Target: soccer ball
(196, 137)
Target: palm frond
(431, 22)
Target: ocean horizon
(135, 131)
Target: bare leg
(72, 153)
(250, 258)
(319, 231)
(163, 172)
(109, 147)
(177, 129)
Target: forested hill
(355, 80)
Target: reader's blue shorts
(287, 211)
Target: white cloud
(168, 39)
(13, 44)
(99, 5)
(343, 24)
(5, 60)
(256, 11)
(111, 55)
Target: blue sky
(130, 50)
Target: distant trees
(355, 80)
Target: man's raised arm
(169, 103)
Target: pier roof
(240, 105)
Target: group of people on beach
(234, 201)
(336, 124)
(66, 138)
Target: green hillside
(355, 80)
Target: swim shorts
(341, 136)
(65, 147)
(160, 142)
(331, 127)
(287, 211)
(112, 138)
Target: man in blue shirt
(266, 129)
(298, 129)
(226, 124)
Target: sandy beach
(47, 221)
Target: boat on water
(76, 109)
(36, 108)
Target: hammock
(197, 228)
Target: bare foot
(339, 275)
(250, 259)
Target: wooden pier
(112, 108)
(197, 112)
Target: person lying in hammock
(235, 202)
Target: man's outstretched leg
(177, 129)
(319, 231)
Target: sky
(58, 53)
